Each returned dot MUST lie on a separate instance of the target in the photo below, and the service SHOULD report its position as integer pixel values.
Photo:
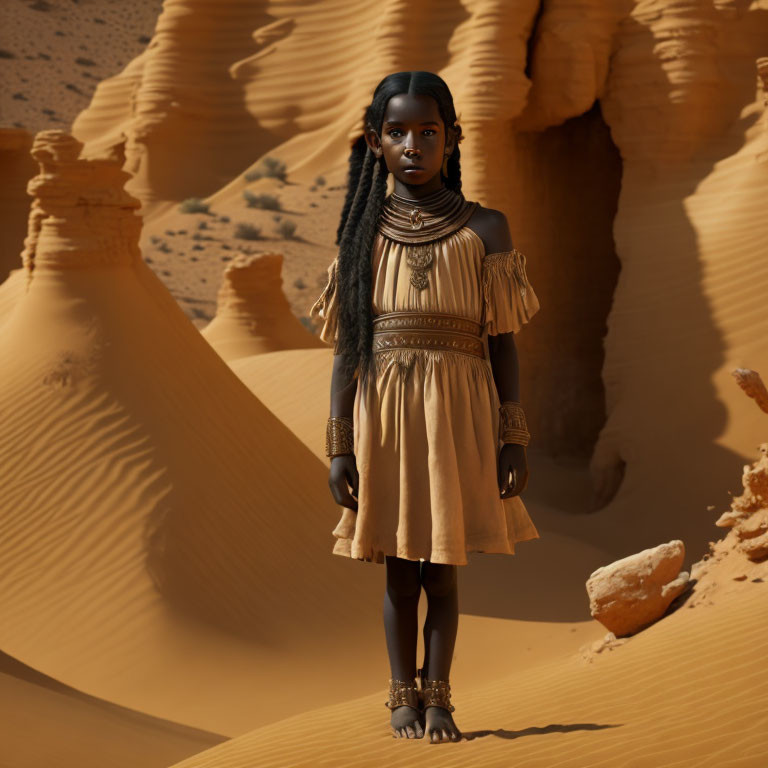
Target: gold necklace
(419, 224)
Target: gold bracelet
(512, 426)
(339, 436)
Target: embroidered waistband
(432, 330)
(407, 319)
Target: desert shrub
(269, 166)
(266, 202)
(320, 180)
(193, 205)
(274, 168)
(299, 283)
(247, 231)
(286, 229)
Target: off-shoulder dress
(426, 429)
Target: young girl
(425, 427)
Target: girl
(425, 427)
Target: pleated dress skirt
(426, 428)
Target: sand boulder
(633, 592)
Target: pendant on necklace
(417, 219)
(419, 259)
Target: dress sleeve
(509, 299)
(326, 307)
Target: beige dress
(426, 430)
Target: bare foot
(406, 723)
(440, 726)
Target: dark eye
(431, 130)
(393, 131)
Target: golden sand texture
(48, 723)
(685, 692)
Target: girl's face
(413, 142)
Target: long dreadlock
(366, 192)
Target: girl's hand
(344, 474)
(512, 458)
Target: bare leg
(440, 582)
(401, 625)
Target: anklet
(402, 694)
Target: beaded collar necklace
(421, 221)
(418, 224)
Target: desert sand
(168, 595)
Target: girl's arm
(493, 228)
(343, 391)
(505, 365)
(343, 475)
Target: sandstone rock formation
(752, 384)
(629, 594)
(253, 315)
(748, 515)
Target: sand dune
(47, 723)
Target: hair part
(366, 192)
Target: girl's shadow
(503, 733)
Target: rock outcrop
(629, 594)
(253, 316)
(748, 515)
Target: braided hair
(366, 192)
